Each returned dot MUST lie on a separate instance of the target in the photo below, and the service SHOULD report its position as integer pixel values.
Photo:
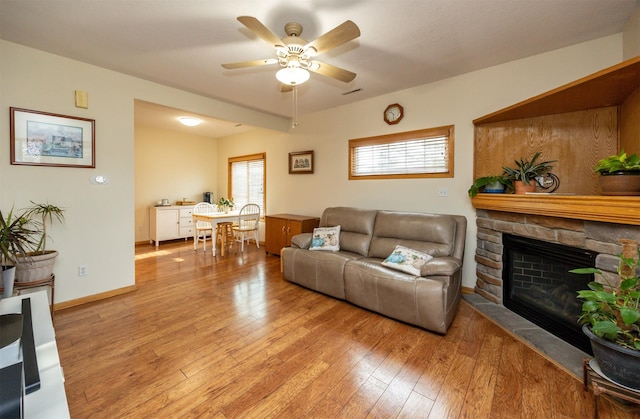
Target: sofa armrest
(441, 266)
(301, 241)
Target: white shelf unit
(170, 223)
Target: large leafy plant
(44, 212)
(613, 311)
(17, 237)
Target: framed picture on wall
(48, 139)
(301, 162)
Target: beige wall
(101, 220)
(631, 36)
(172, 165)
(456, 101)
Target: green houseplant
(490, 184)
(527, 171)
(38, 263)
(17, 239)
(225, 204)
(611, 317)
(619, 174)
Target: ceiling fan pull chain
(295, 107)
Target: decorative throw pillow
(406, 260)
(326, 238)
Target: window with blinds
(247, 180)
(413, 154)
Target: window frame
(248, 158)
(446, 130)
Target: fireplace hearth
(538, 286)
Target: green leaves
(619, 162)
(527, 170)
(613, 311)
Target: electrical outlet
(83, 270)
(443, 192)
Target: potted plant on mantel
(526, 171)
(619, 174)
(611, 318)
(490, 184)
(16, 240)
(38, 263)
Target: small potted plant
(619, 174)
(490, 184)
(526, 171)
(38, 263)
(225, 204)
(611, 318)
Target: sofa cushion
(356, 227)
(428, 233)
(415, 300)
(320, 271)
(302, 240)
(406, 260)
(326, 238)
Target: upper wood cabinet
(576, 124)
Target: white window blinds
(403, 155)
(247, 181)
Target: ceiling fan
(295, 55)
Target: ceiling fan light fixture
(189, 121)
(309, 52)
(292, 75)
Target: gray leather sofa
(355, 272)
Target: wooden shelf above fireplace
(576, 125)
(608, 209)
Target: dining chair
(248, 222)
(203, 227)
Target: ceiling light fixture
(292, 75)
(189, 121)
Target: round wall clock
(393, 114)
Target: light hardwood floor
(227, 337)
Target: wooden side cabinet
(281, 227)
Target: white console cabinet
(170, 223)
(50, 400)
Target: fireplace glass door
(539, 287)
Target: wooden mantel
(608, 209)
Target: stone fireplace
(596, 237)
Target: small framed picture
(48, 139)
(301, 162)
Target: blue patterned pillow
(326, 238)
(406, 260)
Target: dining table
(214, 218)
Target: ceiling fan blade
(332, 71)
(337, 36)
(254, 63)
(255, 26)
(285, 88)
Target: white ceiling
(403, 43)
